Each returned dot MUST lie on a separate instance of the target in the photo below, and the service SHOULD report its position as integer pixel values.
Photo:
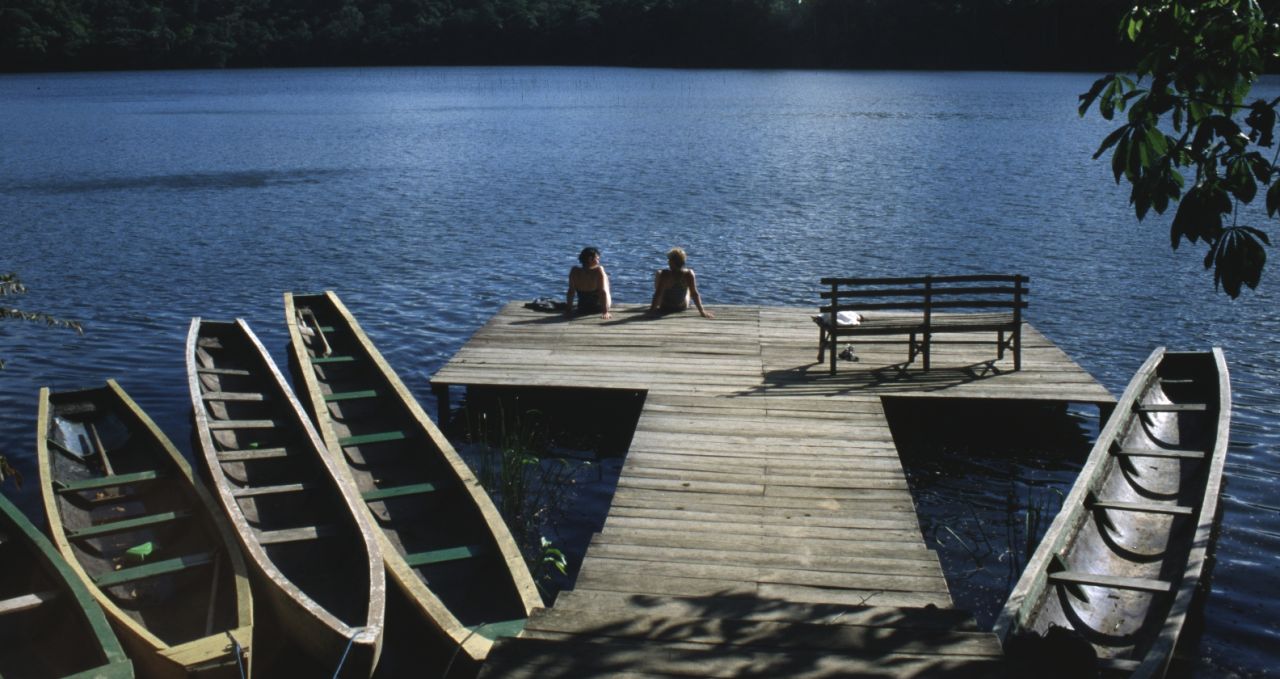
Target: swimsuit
(676, 297)
(590, 301)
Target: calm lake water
(429, 197)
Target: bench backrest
(926, 293)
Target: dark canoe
(49, 624)
(125, 511)
(298, 519)
(444, 542)
(1121, 563)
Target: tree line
(44, 35)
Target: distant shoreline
(1058, 35)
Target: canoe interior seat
(1073, 579)
(398, 491)
(1172, 407)
(1118, 665)
(236, 372)
(248, 454)
(154, 569)
(1160, 452)
(26, 602)
(219, 425)
(1147, 507)
(112, 481)
(350, 395)
(126, 525)
(503, 628)
(257, 491)
(436, 556)
(365, 439)
(300, 534)
(209, 342)
(233, 396)
(323, 360)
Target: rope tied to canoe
(449, 668)
(351, 640)
(235, 645)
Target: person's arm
(657, 290)
(697, 299)
(568, 296)
(608, 299)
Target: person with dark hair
(675, 285)
(591, 284)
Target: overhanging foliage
(1186, 116)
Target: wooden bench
(993, 303)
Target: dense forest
(933, 34)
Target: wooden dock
(762, 524)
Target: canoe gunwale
(138, 422)
(474, 645)
(116, 664)
(370, 633)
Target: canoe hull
(312, 553)
(66, 633)
(1122, 561)
(349, 389)
(87, 422)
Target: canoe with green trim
(147, 540)
(297, 517)
(1121, 563)
(50, 626)
(445, 544)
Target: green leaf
(141, 551)
(1156, 140)
(1119, 157)
(1110, 141)
(1087, 99)
(1273, 199)
(1237, 258)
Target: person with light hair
(675, 286)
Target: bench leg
(822, 343)
(999, 344)
(1017, 349)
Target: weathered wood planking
(762, 519)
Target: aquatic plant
(528, 479)
(10, 286)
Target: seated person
(675, 285)
(591, 284)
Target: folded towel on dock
(848, 318)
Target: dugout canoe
(1122, 561)
(445, 544)
(147, 540)
(50, 626)
(298, 519)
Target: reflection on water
(987, 479)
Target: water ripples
(430, 197)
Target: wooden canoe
(125, 511)
(445, 544)
(297, 517)
(1120, 564)
(50, 626)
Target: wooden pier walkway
(762, 525)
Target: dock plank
(757, 487)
